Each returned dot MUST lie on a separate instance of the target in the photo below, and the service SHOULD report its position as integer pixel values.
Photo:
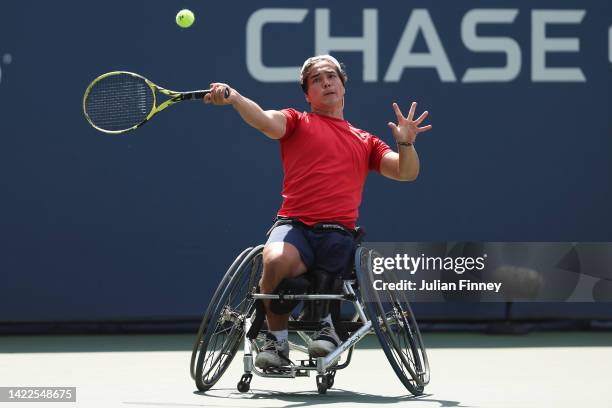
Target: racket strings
(119, 102)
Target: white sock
(281, 335)
(328, 319)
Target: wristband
(404, 144)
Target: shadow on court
(338, 395)
(304, 399)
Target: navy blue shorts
(331, 250)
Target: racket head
(119, 101)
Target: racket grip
(202, 94)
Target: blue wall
(143, 225)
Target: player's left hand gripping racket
(120, 101)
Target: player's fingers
(214, 86)
(220, 93)
(424, 128)
(421, 118)
(207, 98)
(412, 110)
(398, 112)
(217, 93)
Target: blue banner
(94, 226)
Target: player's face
(325, 89)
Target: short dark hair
(308, 64)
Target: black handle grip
(198, 94)
(202, 94)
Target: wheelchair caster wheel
(330, 379)
(322, 384)
(245, 383)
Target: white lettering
(377, 269)
(415, 265)
(610, 44)
(403, 58)
(420, 23)
(254, 29)
(541, 45)
(367, 44)
(491, 44)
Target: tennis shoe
(273, 353)
(324, 341)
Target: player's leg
(334, 253)
(285, 256)
(281, 260)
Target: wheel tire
(330, 380)
(211, 304)
(394, 325)
(322, 384)
(223, 335)
(243, 387)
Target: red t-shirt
(325, 161)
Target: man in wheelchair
(325, 163)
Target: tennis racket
(120, 101)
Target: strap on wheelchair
(319, 227)
(315, 310)
(292, 286)
(260, 315)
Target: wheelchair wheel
(224, 332)
(394, 325)
(213, 301)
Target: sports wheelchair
(235, 316)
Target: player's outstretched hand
(217, 96)
(407, 128)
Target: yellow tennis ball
(185, 18)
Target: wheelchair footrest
(308, 363)
(287, 371)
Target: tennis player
(325, 163)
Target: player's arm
(270, 122)
(404, 165)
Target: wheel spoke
(222, 336)
(394, 324)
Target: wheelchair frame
(369, 316)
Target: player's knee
(276, 265)
(279, 262)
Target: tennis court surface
(544, 369)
